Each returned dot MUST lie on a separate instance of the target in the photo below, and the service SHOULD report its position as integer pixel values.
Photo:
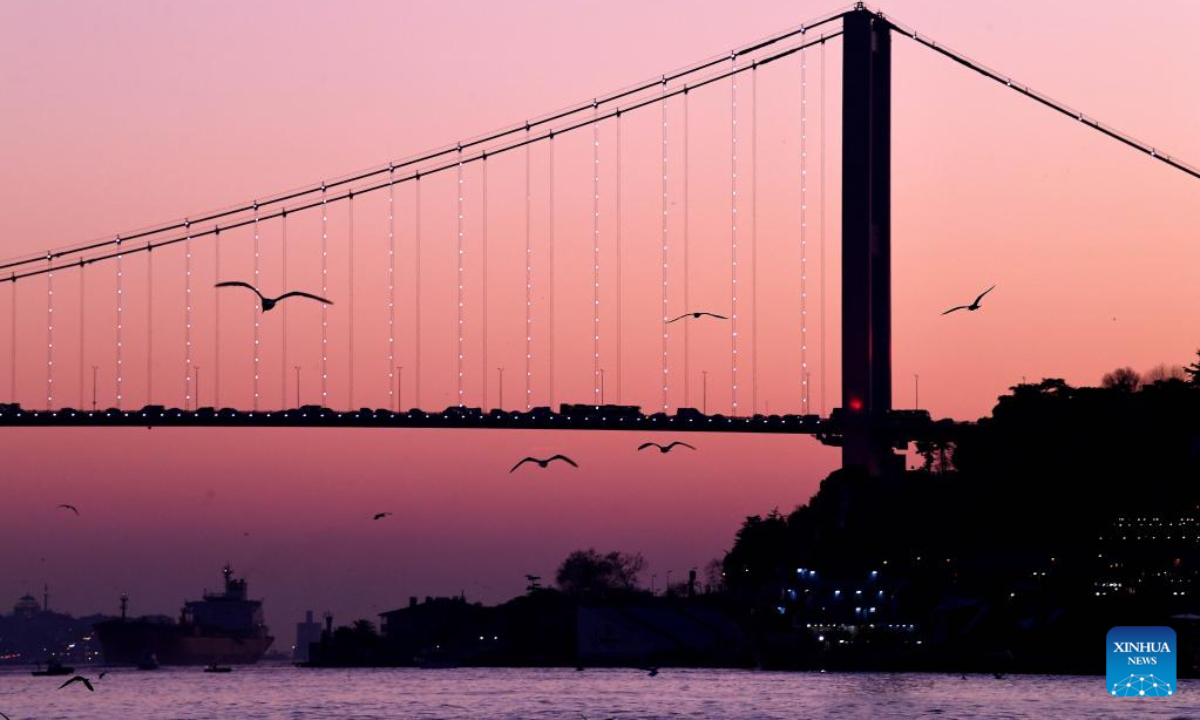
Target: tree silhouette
(587, 573)
(1193, 370)
(1163, 372)
(1124, 378)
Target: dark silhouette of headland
(1012, 547)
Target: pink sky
(122, 116)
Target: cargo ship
(221, 629)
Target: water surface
(298, 694)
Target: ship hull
(130, 642)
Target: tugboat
(221, 629)
(53, 668)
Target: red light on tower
(856, 404)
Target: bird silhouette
(382, 515)
(546, 462)
(651, 671)
(101, 675)
(2, 715)
(664, 449)
(696, 315)
(269, 303)
(72, 508)
(973, 306)
(79, 678)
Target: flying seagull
(79, 678)
(664, 449)
(651, 671)
(973, 306)
(382, 515)
(269, 303)
(101, 675)
(696, 315)
(544, 463)
(72, 508)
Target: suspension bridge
(431, 201)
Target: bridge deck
(577, 417)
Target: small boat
(218, 669)
(53, 668)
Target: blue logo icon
(1141, 661)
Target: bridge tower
(866, 243)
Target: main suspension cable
(545, 137)
(1046, 100)
(444, 151)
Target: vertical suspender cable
(257, 311)
(754, 237)
(324, 293)
(484, 290)
(687, 257)
(665, 276)
(12, 345)
(149, 324)
(595, 255)
(187, 319)
(734, 247)
(283, 340)
(216, 326)
(82, 327)
(417, 292)
(350, 273)
(823, 229)
(391, 275)
(120, 322)
(617, 263)
(528, 277)
(459, 309)
(804, 232)
(550, 269)
(50, 341)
